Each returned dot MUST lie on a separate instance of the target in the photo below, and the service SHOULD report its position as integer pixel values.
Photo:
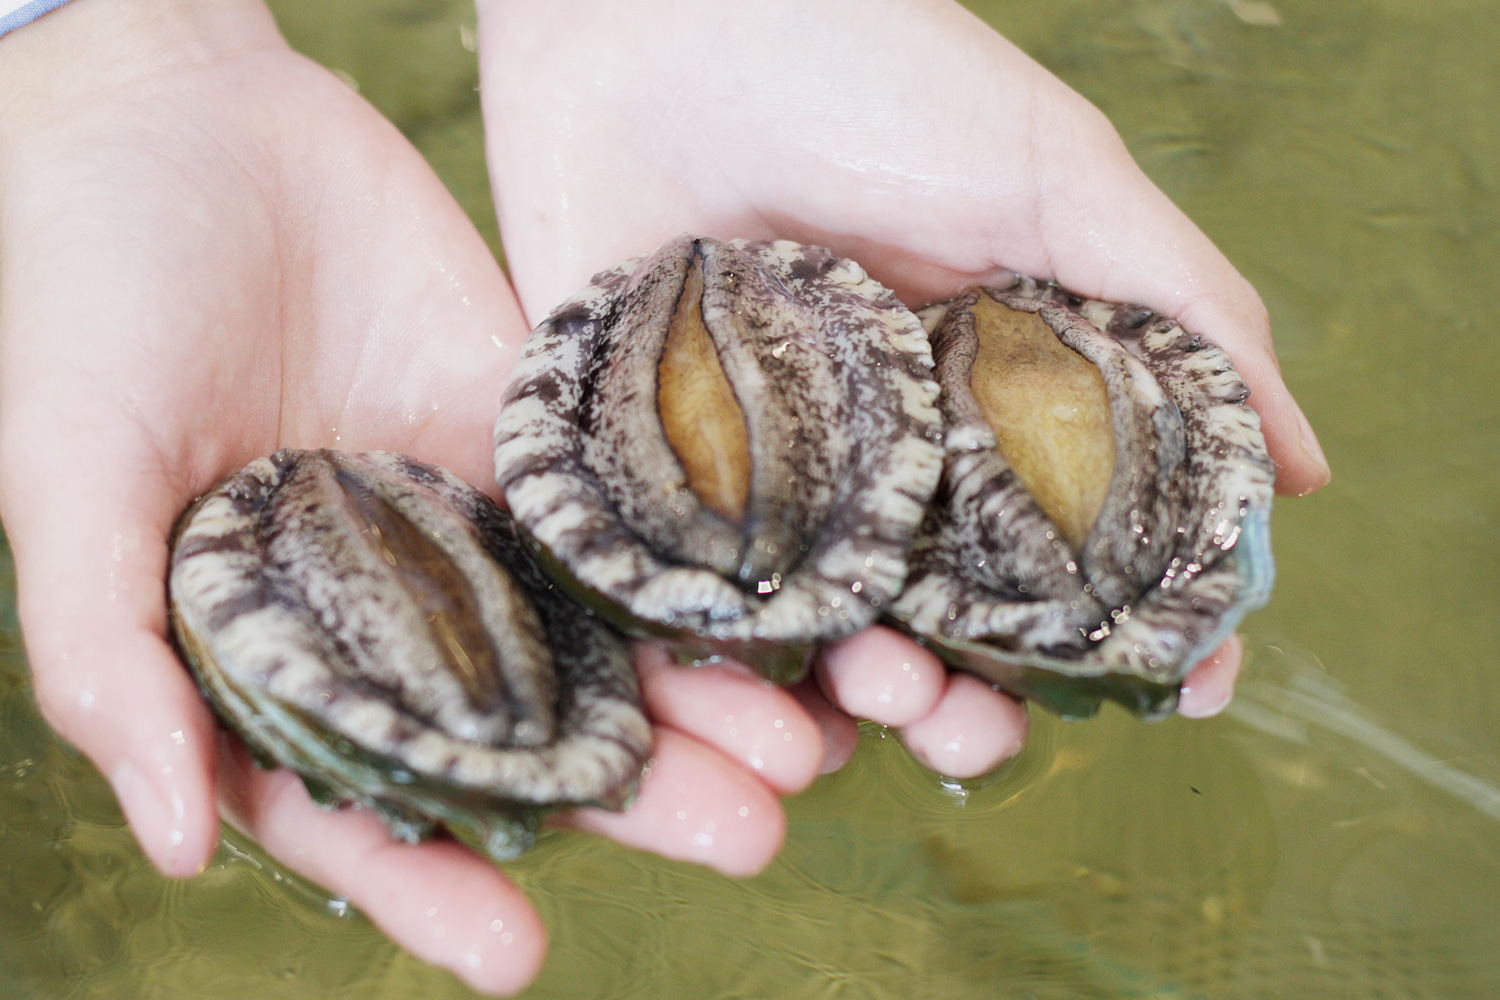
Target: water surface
(1335, 835)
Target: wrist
(89, 50)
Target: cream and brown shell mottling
(1118, 588)
(375, 624)
(751, 500)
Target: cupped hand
(211, 248)
(903, 133)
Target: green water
(1335, 835)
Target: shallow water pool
(1335, 835)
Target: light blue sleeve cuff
(14, 13)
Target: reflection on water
(1334, 835)
(1309, 698)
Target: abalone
(375, 624)
(1102, 520)
(727, 445)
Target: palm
(210, 264)
(917, 141)
(272, 265)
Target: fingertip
(972, 730)
(726, 706)
(150, 735)
(438, 900)
(881, 675)
(1301, 467)
(1209, 687)
(695, 805)
(511, 958)
(452, 908)
(1312, 472)
(172, 820)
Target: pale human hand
(903, 133)
(211, 248)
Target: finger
(91, 603)
(438, 900)
(908, 164)
(1210, 685)
(840, 731)
(972, 729)
(1109, 232)
(881, 675)
(749, 720)
(695, 805)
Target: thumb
(90, 566)
(1114, 235)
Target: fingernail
(1308, 442)
(156, 816)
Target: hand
(211, 248)
(903, 133)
